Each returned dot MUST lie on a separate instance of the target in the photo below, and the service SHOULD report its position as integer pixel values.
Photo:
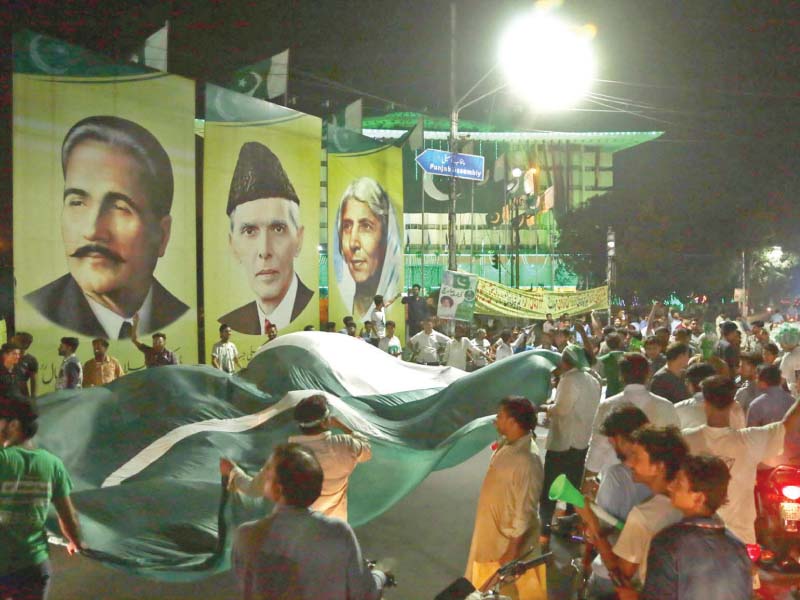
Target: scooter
(778, 519)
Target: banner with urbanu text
(261, 196)
(501, 300)
(104, 204)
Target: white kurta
(508, 504)
(338, 456)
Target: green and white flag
(265, 79)
(143, 452)
(457, 296)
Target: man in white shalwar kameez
(338, 454)
(507, 519)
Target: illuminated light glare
(774, 255)
(792, 492)
(516, 172)
(548, 62)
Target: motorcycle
(778, 519)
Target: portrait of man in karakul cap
(265, 238)
(115, 225)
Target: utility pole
(452, 263)
(611, 247)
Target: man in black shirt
(728, 347)
(417, 310)
(668, 381)
(28, 366)
(9, 377)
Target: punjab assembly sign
(457, 296)
(496, 299)
(104, 210)
(365, 234)
(261, 195)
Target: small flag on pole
(265, 79)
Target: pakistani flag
(143, 451)
(265, 79)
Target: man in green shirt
(29, 480)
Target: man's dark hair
(521, 410)
(311, 409)
(758, 323)
(710, 476)
(21, 410)
(391, 324)
(102, 341)
(770, 374)
(299, 474)
(24, 338)
(608, 329)
(614, 341)
(753, 358)
(623, 421)
(651, 340)
(662, 331)
(72, 342)
(377, 299)
(417, 286)
(138, 142)
(684, 334)
(676, 350)
(719, 391)
(664, 445)
(9, 347)
(223, 327)
(505, 335)
(331, 326)
(771, 347)
(634, 368)
(308, 328)
(348, 319)
(728, 327)
(698, 372)
(163, 336)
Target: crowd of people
(664, 424)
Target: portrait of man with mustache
(115, 224)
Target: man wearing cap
(338, 454)
(30, 479)
(265, 238)
(788, 337)
(115, 224)
(571, 415)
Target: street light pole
(452, 263)
(611, 247)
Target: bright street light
(548, 62)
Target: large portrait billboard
(365, 225)
(261, 196)
(104, 211)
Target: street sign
(463, 166)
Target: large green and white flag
(265, 79)
(143, 452)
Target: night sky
(720, 77)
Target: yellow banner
(501, 300)
(110, 231)
(261, 196)
(365, 235)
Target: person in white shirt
(691, 412)
(655, 456)
(337, 454)
(484, 345)
(742, 449)
(224, 354)
(788, 336)
(502, 347)
(633, 369)
(378, 318)
(390, 343)
(459, 349)
(548, 325)
(426, 344)
(571, 415)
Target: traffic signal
(496, 260)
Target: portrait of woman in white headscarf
(367, 249)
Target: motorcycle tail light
(754, 552)
(792, 492)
